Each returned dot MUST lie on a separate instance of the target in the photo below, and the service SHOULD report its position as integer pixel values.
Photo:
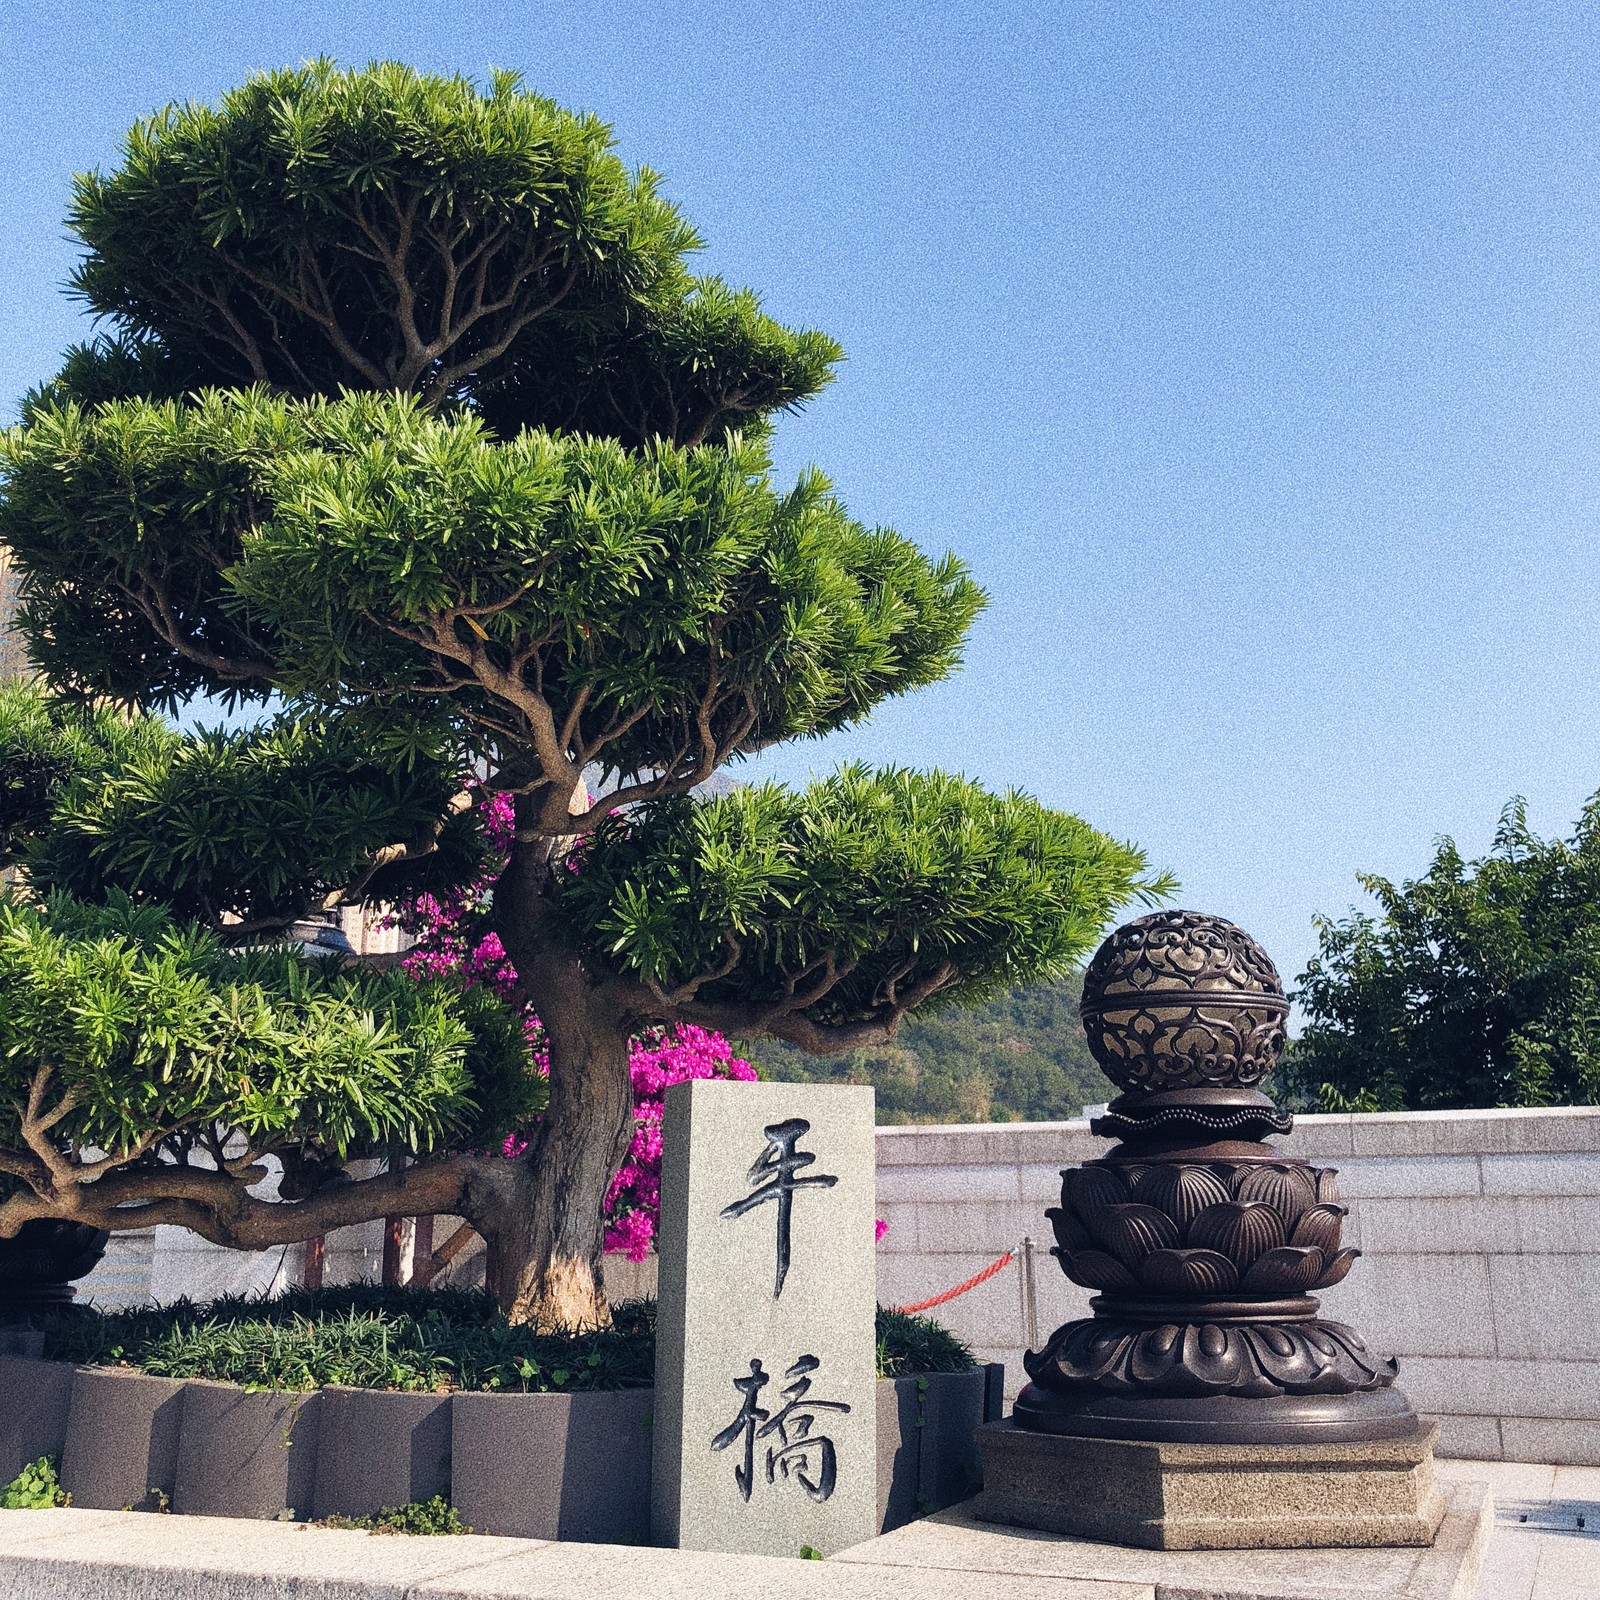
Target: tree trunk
(549, 1248)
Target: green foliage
(1477, 984)
(385, 229)
(632, 581)
(260, 825)
(887, 878)
(367, 1337)
(909, 1344)
(279, 236)
(435, 1516)
(697, 363)
(35, 1488)
(1019, 1056)
(123, 517)
(375, 545)
(157, 1033)
(45, 745)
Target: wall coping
(1535, 1130)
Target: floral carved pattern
(1176, 1000)
(1255, 1360)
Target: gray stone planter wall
(245, 1455)
(545, 1466)
(379, 1447)
(34, 1398)
(121, 1444)
(554, 1466)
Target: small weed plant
(435, 1516)
(35, 1488)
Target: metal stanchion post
(1030, 1298)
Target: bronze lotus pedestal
(1205, 1404)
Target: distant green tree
(1475, 985)
(1019, 1056)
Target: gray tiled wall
(1481, 1267)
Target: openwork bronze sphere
(1180, 1000)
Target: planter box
(34, 1397)
(121, 1447)
(899, 1452)
(927, 1454)
(377, 1448)
(952, 1412)
(244, 1454)
(554, 1466)
(539, 1466)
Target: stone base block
(1211, 1497)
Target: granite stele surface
(765, 1415)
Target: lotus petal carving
(1240, 1230)
(1337, 1270)
(1290, 1269)
(1091, 1190)
(1094, 1269)
(1188, 1272)
(1320, 1226)
(1183, 1192)
(1071, 1234)
(1131, 1232)
(1288, 1190)
(1209, 1358)
(1327, 1181)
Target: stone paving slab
(1537, 1552)
(1546, 1543)
(1448, 1571)
(108, 1555)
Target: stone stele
(766, 1356)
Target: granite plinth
(1211, 1497)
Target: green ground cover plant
(367, 1337)
(35, 1488)
(435, 1516)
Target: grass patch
(421, 1340)
(909, 1344)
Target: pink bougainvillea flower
(447, 941)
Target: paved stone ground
(1544, 1547)
(1546, 1543)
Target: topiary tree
(411, 413)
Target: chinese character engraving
(809, 1458)
(775, 1172)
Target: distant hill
(1020, 1057)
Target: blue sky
(1249, 354)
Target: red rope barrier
(961, 1288)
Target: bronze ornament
(1202, 1242)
